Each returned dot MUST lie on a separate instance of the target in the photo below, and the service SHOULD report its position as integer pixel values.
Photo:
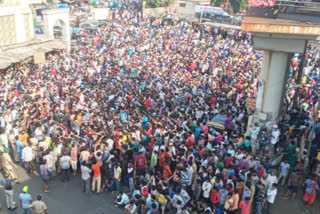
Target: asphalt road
(67, 198)
(63, 198)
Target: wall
(100, 13)
(16, 24)
(50, 17)
(185, 8)
(160, 11)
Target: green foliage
(158, 3)
(216, 3)
(153, 3)
(52, 3)
(238, 5)
(167, 2)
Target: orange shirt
(96, 169)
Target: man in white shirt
(130, 208)
(27, 159)
(85, 177)
(271, 196)
(206, 188)
(271, 179)
(275, 134)
(190, 174)
(283, 171)
(122, 199)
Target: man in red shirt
(245, 206)
(96, 175)
(148, 103)
(140, 164)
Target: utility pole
(201, 14)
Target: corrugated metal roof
(19, 52)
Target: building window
(182, 4)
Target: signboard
(251, 103)
(100, 13)
(39, 58)
(262, 116)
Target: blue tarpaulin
(63, 6)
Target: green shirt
(220, 165)
(154, 160)
(193, 127)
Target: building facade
(16, 21)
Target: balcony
(300, 11)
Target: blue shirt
(25, 199)
(19, 146)
(149, 203)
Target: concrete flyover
(278, 39)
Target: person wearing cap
(275, 135)
(38, 206)
(7, 164)
(6, 184)
(25, 200)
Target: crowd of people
(129, 110)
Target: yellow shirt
(124, 139)
(228, 204)
(79, 118)
(23, 137)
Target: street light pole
(201, 14)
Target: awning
(19, 52)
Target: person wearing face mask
(271, 196)
(275, 135)
(260, 198)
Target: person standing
(65, 162)
(254, 130)
(245, 206)
(19, 146)
(45, 174)
(261, 198)
(96, 175)
(38, 206)
(7, 164)
(6, 184)
(74, 158)
(116, 177)
(27, 158)
(13, 144)
(284, 171)
(206, 190)
(130, 175)
(140, 164)
(25, 200)
(275, 135)
(271, 196)
(235, 199)
(85, 177)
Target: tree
(52, 3)
(153, 3)
(238, 5)
(216, 3)
(158, 3)
(235, 5)
(167, 2)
